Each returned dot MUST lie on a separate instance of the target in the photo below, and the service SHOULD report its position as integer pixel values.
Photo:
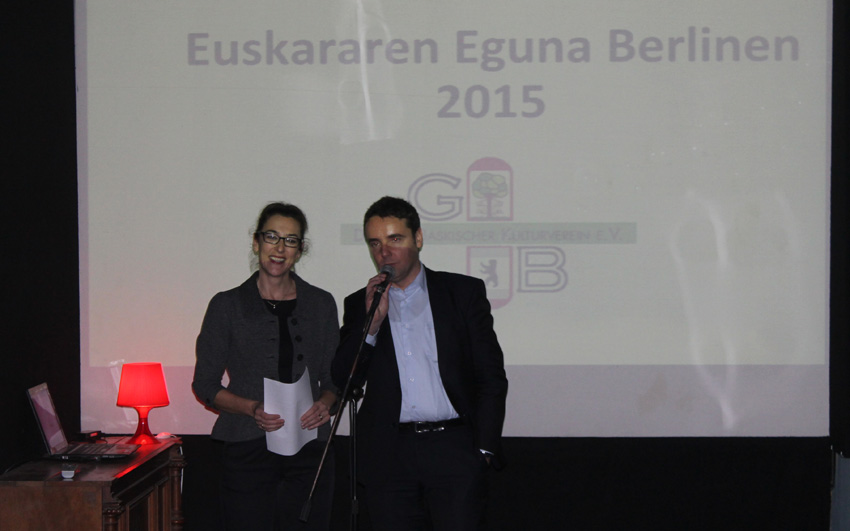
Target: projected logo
(490, 190)
(477, 212)
(494, 265)
(492, 250)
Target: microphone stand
(356, 394)
(349, 394)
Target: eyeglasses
(274, 238)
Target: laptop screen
(48, 420)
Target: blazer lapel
(442, 309)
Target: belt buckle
(425, 427)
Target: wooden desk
(140, 492)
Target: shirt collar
(418, 282)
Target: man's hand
(383, 306)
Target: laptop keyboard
(91, 449)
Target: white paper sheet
(290, 401)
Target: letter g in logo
(425, 195)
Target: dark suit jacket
(470, 360)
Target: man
(431, 419)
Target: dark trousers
(264, 491)
(437, 480)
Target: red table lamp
(142, 387)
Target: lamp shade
(142, 387)
(142, 384)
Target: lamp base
(143, 433)
(143, 438)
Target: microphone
(388, 273)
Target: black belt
(425, 427)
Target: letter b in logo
(541, 269)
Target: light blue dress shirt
(423, 397)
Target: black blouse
(283, 310)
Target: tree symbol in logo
(490, 187)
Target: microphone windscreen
(389, 271)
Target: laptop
(54, 437)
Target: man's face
(391, 242)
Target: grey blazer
(241, 336)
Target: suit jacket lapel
(386, 354)
(442, 311)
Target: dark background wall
(671, 483)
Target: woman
(275, 325)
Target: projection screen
(643, 186)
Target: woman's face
(277, 260)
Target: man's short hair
(395, 207)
